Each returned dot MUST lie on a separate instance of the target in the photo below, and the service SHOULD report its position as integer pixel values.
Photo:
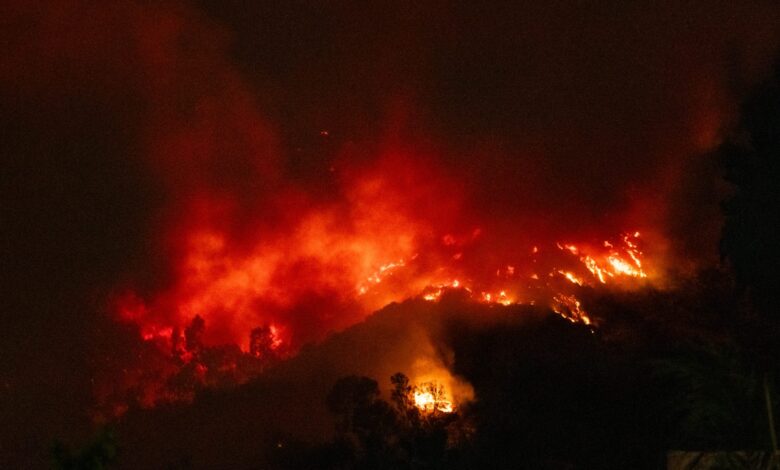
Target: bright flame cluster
(570, 308)
(618, 261)
(430, 397)
(595, 264)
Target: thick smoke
(152, 149)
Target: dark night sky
(114, 114)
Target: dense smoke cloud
(540, 106)
(128, 129)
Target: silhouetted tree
(714, 397)
(750, 239)
(193, 334)
(395, 436)
(261, 342)
(402, 399)
(177, 346)
(364, 422)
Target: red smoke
(303, 271)
(326, 265)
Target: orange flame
(618, 261)
(430, 397)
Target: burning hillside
(255, 305)
(243, 294)
(468, 369)
(396, 228)
(198, 193)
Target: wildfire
(602, 264)
(377, 276)
(433, 293)
(571, 277)
(500, 298)
(247, 297)
(215, 280)
(570, 308)
(430, 397)
(624, 260)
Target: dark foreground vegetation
(663, 371)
